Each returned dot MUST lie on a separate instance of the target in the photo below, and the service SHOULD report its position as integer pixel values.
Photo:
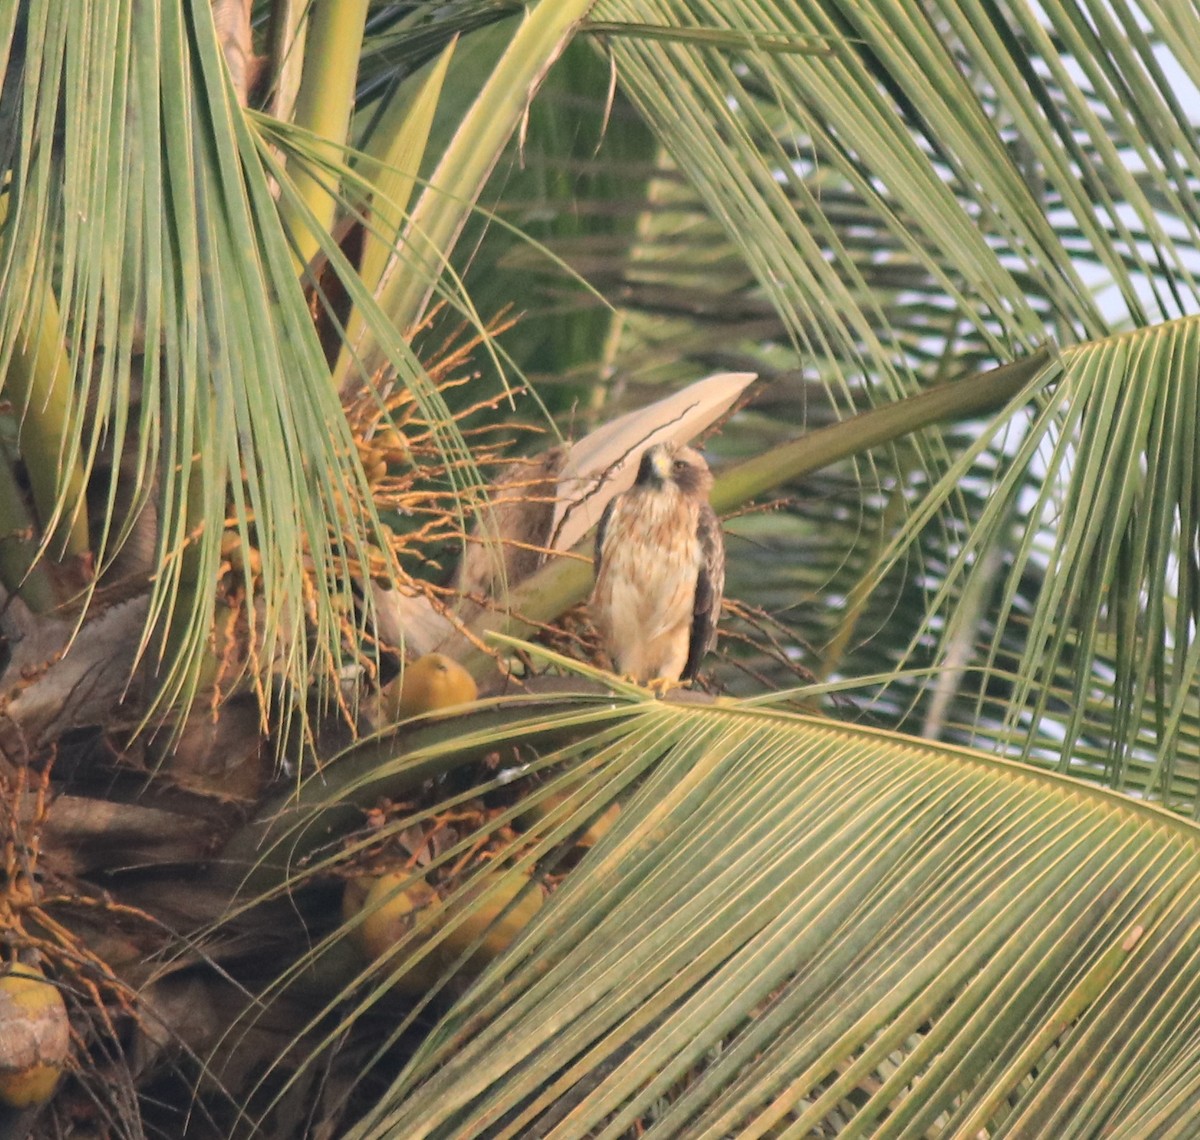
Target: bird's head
(665, 463)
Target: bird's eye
(680, 465)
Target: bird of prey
(660, 569)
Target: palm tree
(290, 295)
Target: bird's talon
(661, 686)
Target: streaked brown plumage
(660, 569)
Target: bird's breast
(651, 559)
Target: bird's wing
(602, 531)
(710, 586)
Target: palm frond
(962, 132)
(147, 213)
(1097, 510)
(802, 924)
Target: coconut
(35, 1036)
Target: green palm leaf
(175, 277)
(796, 925)
(1110, 535)
(921, 115)
(803, 923)
(980, 161)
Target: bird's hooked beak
(660, 458)
(655, 467)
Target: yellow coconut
(240, 558)
(392, 444)
(599, 827)
(354, 895)
(375, 471)
(590, 836)
(390, 907)
(501, 921)
(35, 1037)
(432, 682)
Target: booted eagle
(660, 569)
